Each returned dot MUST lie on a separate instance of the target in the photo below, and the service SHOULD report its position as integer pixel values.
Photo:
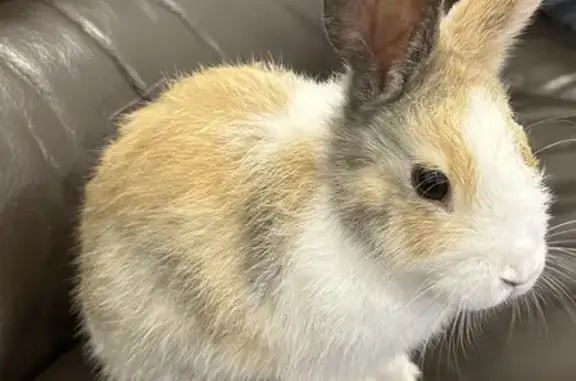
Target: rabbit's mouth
(523, 287)
(481, 282)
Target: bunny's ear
(484, 30)
(382, 41)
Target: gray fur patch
(362, 140)
(178, 276)
(265, 245)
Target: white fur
(509, 220)
(363, 320)
(360, 320)
(361, 326)
(336, 317)
(311, 105)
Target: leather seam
(176, 10)
(126, 70)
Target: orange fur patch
(182, 160)
(200, 129)
(437, 133)
(523, 146)
(194, 183)
(482, 31)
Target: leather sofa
(68, 68)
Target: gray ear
(382, 41)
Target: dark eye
(430, 183)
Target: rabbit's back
(189, 216)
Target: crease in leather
(19, 65)
(16, 64)
(152, 93)
(48, 158)
(177, 11)
(90, 30)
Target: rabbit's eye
(431, 184)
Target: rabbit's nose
(520, 275)
(517, 281)
(524, 263)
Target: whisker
(421, 291)
(562, 267)
(540, 313)
(481, 325)
(557, 288)
(561, 294)
(566, 262)
(562, 224)
(562, 233)
(556, 253)
(559, 248)
(557, 285)
(562, 118)
(453, 344)
(555, 144)
(448, 339)
(513, 318)
(465, 331)
(562, 247)
(465, 336)
(460, 339)
(529, 311)
(425, 346)
(564, 250)
(474, 329)
(562, 241)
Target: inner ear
(382, 41)
(389, 41)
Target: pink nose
(517, 276)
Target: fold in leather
(70, 67)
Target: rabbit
(257, 224)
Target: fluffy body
(145, 288)
(243, 228)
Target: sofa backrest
(66, 68)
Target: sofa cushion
(57, 93)
(70, 366)
(68, 66)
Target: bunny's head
(429, 168)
